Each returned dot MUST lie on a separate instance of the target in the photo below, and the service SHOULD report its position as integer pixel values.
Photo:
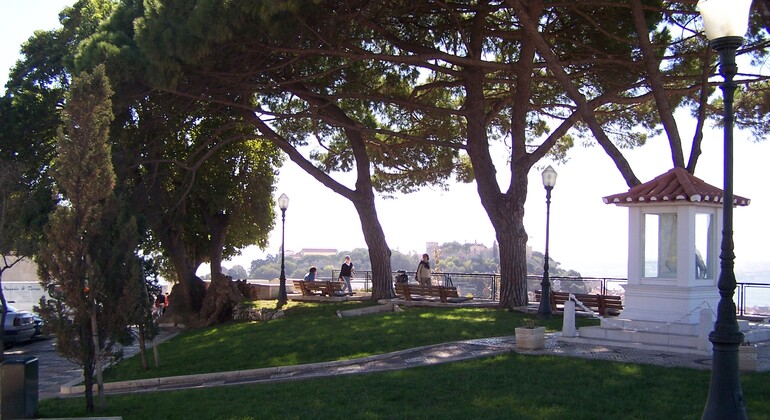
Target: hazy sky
(586, 234)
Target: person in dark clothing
(160, 303)
(346, 272)
(423, 271)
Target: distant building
(317, 251)
(478, 249)
(431, 247)
(21, 285)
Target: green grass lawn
(312, 332)
(513, 386)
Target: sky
(585, 234)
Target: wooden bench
(418, 291)
(604, 304)
(613, 304)
(322, 288)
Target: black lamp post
(283, 204)
(725, 23)
(544, 310)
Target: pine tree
(89, 257)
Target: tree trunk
(513, 264)
(189, 295)
(155, 352)
(143, 349)
(379, 252)
(504, 209)
(88, 367)
(362, 197)
(221, 298)
(88, 381)
(97, 357)
(218, 229)
(506, 213)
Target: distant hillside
(450, 257)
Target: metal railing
(751, 299)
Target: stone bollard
(747, 358)
(705, 325)
(387, 307)
(568, 328)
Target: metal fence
(751, 299)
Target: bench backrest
(409, 290)
(325, 287)
(594, 301)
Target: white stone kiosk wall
(673, 260)
(675, 226)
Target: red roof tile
(676, 184)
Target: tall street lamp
(725, 22)
(283, 204)
(544, 310)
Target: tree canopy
(199, 185)
(372, 82)
(403, 95)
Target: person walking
(423, 271)
(346, 272)
(160, 304)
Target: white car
(19, 326)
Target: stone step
(656, 336)
(643, 336)
(757, 333)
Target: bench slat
(601, 303)
(419, 291)
(324, 288)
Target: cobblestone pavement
(55, 372)
(60, 378)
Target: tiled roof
(676, 184)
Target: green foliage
(454, 258)
(407, 94)
(752, 110)
(20, 226)
(499, 387)
(89, 254)
(20, 222)
(504, 386)
(200, 181)
(302, 336)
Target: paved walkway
(61, 378)
(55, 373)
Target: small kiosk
(675, 225)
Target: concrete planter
(530, 338)
(747, 358)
